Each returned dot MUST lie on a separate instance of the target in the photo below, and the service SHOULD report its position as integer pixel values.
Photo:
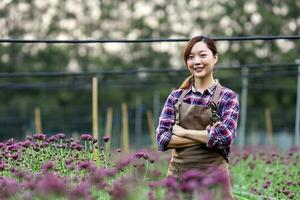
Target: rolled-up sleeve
(166, 122)
(224, 134)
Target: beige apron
(199, 156)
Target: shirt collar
(210, 89)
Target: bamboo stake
(269, 128)
(125, 128)
(108, 129)
(151, 128)
(95, 116)
(37, 120)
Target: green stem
(146, 170)
(104, 156)
(85, 146)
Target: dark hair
(211, 44)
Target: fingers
(177, 127)
(216, 124)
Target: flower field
(57, 167)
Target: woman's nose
(197, 60)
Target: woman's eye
(203, 55)
(190, 57)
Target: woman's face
(201, 60)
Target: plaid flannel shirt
(220, 137)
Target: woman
(199, 120)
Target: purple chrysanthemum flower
(139, 155)
(97, 176)
(109, 172)
(26, 143)
(286, 192)
(30, 184)
(87, 164)
(51, 184)
(53, 138)
(2, 166)
(146, 156)
(124, 162)
(12, 147)
(29, 138)
(10, 141)
(191, 175)
(119, 189)
(47, 166)
(81, 191)
(61, 135)
(86, 137)
(83, 165)
(68, 161)
(150, 195)
(36, 147)
(154, 184)
(2, 145)
(39, 136)
(8, 187)
(106, 139)
(95, 140)
(171, 183)
(14, 156)
(189, 187)
(78, 147)
(266, 184)
(45, 144)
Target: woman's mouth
(198, 69)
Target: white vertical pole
(156, 107)
(244, 98)
(297, 122)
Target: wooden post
(37, 120)
(268, 120)
(150, 126)
(125, 137)
(108, 129)
(95, 116)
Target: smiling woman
(199, 120)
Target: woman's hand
(214, 125)
(179, 131)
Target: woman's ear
(216, 58)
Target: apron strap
(217, 93)
(178, 103)
(181, 97)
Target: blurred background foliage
(65, 102)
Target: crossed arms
(186, 137)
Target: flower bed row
(57, 167)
